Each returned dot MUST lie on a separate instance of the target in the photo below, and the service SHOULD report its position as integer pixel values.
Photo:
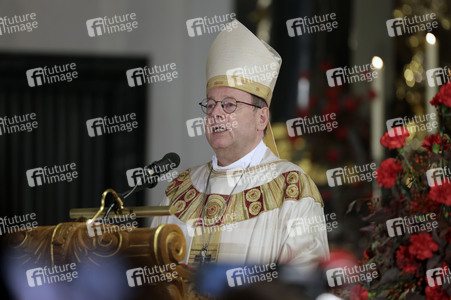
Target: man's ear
(263, 118)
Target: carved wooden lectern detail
(72, 242)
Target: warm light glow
(377, 62)
(430, 38)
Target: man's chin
(219, 143)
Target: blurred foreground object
(102, 261)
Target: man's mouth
(218, 128)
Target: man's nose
(218, 112)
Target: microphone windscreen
(173, 158)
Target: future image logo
(438, 176)
(48, 175)
(351, 275)
(254, 73)
(309, 125)
(308, 225)
(151, 275)
(417, 123)
(411, 24)
(411, 224)
(251, 274)
(108, 125)
(122, 223)
(49, 75)
(309, 25)
(109, 25)
(197, 126)
(57, 273)
(438, 276)
(18, 123)
(207, 25)
(352, 174)
(18, 23)
(438, 76)
(347, 75)
(153, 74)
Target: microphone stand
(117, 205)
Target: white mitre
(238, 59)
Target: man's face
(244, 127)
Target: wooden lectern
(138, 248)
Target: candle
(377, 111)
(430, 62)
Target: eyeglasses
(229, 105)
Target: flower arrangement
(416, 192)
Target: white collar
(251, 159)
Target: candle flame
(430, 38)
(377, 62)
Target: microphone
(167, 163)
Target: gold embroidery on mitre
(240, 83)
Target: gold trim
(212, 248)
(102, 202)
(139, 245)
(117, 249)
(155, 242)
(23, 241)
(238, 171)
(272, 195)
(51, 243)
(39, 247)
(139, 255)
(243, 84)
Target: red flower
(395, 138)
(422, 245)
(387, 174)
(433, 143)
(441, 193)
(358, 293)
(443, 96)
(436, 293)
(436, 100)
(367, 255)
(405, 261)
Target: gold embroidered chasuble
(247, 212)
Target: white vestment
(274, 213)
